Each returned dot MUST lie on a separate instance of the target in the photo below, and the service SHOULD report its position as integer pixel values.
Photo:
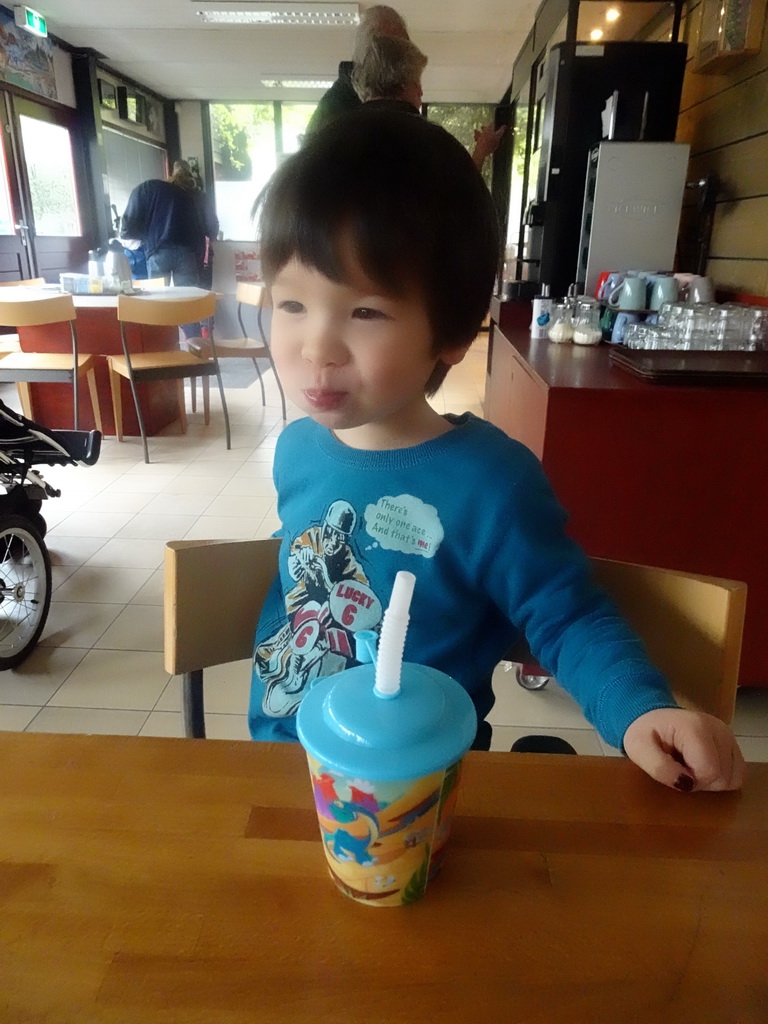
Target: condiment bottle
(542, 313)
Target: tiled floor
(99, 666)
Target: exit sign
(30, 20)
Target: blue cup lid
(429, 724)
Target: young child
(379, 245)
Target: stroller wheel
(25, 589)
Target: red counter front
(673, 476)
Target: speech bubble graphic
(405, 523)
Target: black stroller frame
(25, 564)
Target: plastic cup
(385, 773)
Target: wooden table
(98, 333)
(660, 474)
(159, 880)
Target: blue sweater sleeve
(572, 627)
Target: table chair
(25, 368)
(692, 625)
(248, 294)
(175, 364)
(214, 592)
(10, 342)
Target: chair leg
(192, 704)
(91, 376)
(76, 397)
(25, 397)
(140, 418)
(206, 401)
(271, 360)
(193, 388)
(279, 385)
(182, 404)
(117, 400)
(261, 381)
(224, 407)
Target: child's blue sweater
(472, 515)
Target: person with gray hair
(389, 74)
(390, 70)
(377, 20)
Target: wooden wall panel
(734, 114)
(740, 229)
(750, 276)
(724, 117)
(742, 167)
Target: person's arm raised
(486, 142)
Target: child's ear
(453, 356)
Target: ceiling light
(276, 13)
(295, 83)
(595, 34)
(612, 14)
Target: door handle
(23, 230)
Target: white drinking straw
(392, 639)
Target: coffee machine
(640, 84)
(632, 203)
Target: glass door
(45, 167)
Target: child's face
(354, 357)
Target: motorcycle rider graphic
(330, 601)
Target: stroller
(25, 565)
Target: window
(462, 120)
(48, 156)
(249, 141)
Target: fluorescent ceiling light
(295, 83)
(276, 13)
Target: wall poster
(25, 60)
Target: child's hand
(685, 749)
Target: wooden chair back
(141, 309)
(691, 626)
(251, 293)
(37, 311)
(201, 632)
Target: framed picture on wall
(131, 105)
(730, 31)
(107, 94)
(154, 115)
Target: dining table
(98, 333)
(159, 881)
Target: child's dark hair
(414, 204)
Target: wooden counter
(661, 474)
(170, 881)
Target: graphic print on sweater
(331, 598)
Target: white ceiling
(163, 44)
